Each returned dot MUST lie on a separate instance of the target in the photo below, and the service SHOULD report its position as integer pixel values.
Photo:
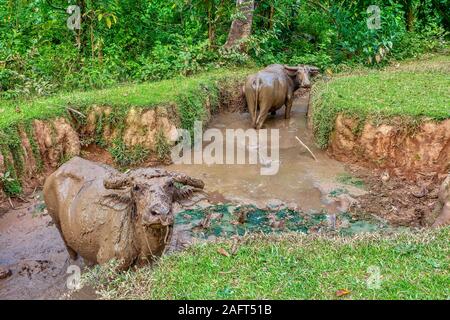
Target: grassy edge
(383, 104)
(411, 265)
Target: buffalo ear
(118, 202)
(185, 179)
(291, 71)
(313, 70)
(117, 181)
(182, 193)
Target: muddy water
(300, 180)
(31, 247)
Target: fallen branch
(22, 199)
(10, 203)
(304, 145)
(76, 111)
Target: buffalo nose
(159, 211)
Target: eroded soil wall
(33, 150)
(424, 148)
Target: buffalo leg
(72, 253)
(444, 218)
(252, 104)
(263, 113)
(254, 115)
(288, 103)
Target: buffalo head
(302, 74)
(151, 193)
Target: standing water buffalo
(271, 88)
(104, 214)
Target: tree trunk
(411, 7)
(80, 36)
(241, 27)
(211, 26)
(272, 13)
(410, 18)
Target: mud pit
(310, 196)
(32, 249)
(300, 181)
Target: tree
(241, 27)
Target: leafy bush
(162, 146)
(414, 44)
(11, 186)
(126, 156)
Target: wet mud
(300, 180)
(32, 249)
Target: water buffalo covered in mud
(103, 214)
(271, 88)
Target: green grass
(137, 95)
(125, 156)
(348, 179)
(293, 266)
(410, 91)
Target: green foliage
(133, 40)
(167, 61)
(126, 156)
(9, 180)
(11, 186)
(162, 146)
(348, 179)
(120, 98)
(414, 44)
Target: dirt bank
(133, 135)
(394, 146)
(401, 200)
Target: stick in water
(301, 142)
